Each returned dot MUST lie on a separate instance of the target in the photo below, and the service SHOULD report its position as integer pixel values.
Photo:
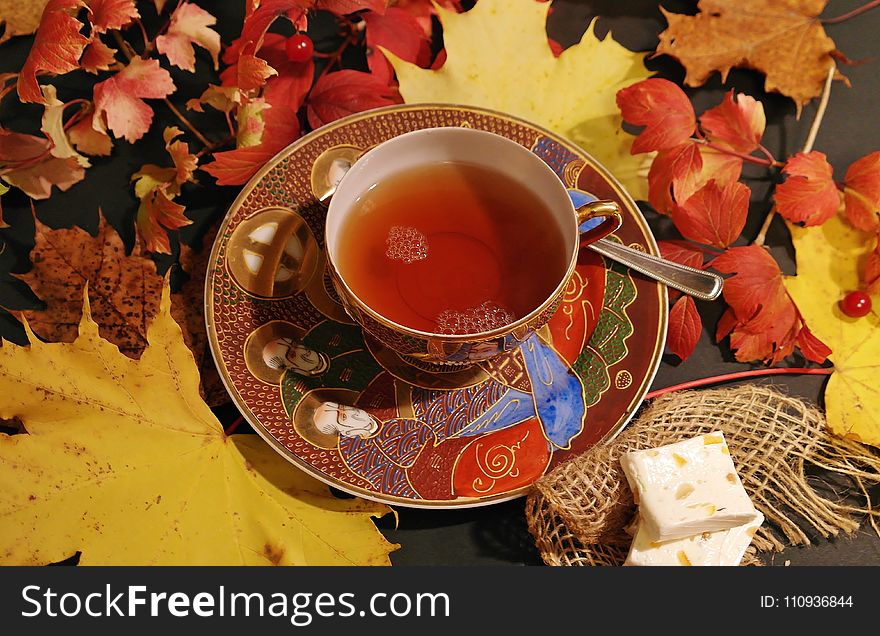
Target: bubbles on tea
(406, 244)
(485, 317)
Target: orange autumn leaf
(808, 195)
(762, 320)
(781, 38)
(156, 216)
(112, 14)
(737, 122)
(88, 140)
(861, 193)
(57, 47)
(714, 214)
(156, 187)
(26, 162)
(249, 72)
(190, 24)
(97, 57)
(120, 99)
(664, 110)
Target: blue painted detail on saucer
(553, 154)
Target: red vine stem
(205, 141)
(768, 163)
(851, 14)
(231, 428)
(739, 375)
(808, 146)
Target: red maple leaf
(861, 192)
(57, 47)
(762, 320)
(345, 92)
(97, 56)
(713, 215)
(424, 10)
(289, 88)
(679, 172)
(813, 349)
(257, 23)
(190, 24)
(808, 195)
(685, 328)
(111, 14)
(664, 110)
(737, 122)
(682, 253)
(399, 32)
(119, 99)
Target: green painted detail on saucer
(607, 345)
(351, 366)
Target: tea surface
(451, 248)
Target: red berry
(299, 48)
(856, 304)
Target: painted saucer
(361, 418)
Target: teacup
(433, 146)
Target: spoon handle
(694, 282)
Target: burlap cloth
(797, 473)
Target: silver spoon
(694, 282)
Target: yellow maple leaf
(498, 57)
(828, 261)
(123, 461)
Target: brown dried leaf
(781, 38)
(124, 290)
(20, 18)
(188, 309)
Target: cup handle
(597, 219)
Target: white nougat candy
(725, 547)
(687, 488)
